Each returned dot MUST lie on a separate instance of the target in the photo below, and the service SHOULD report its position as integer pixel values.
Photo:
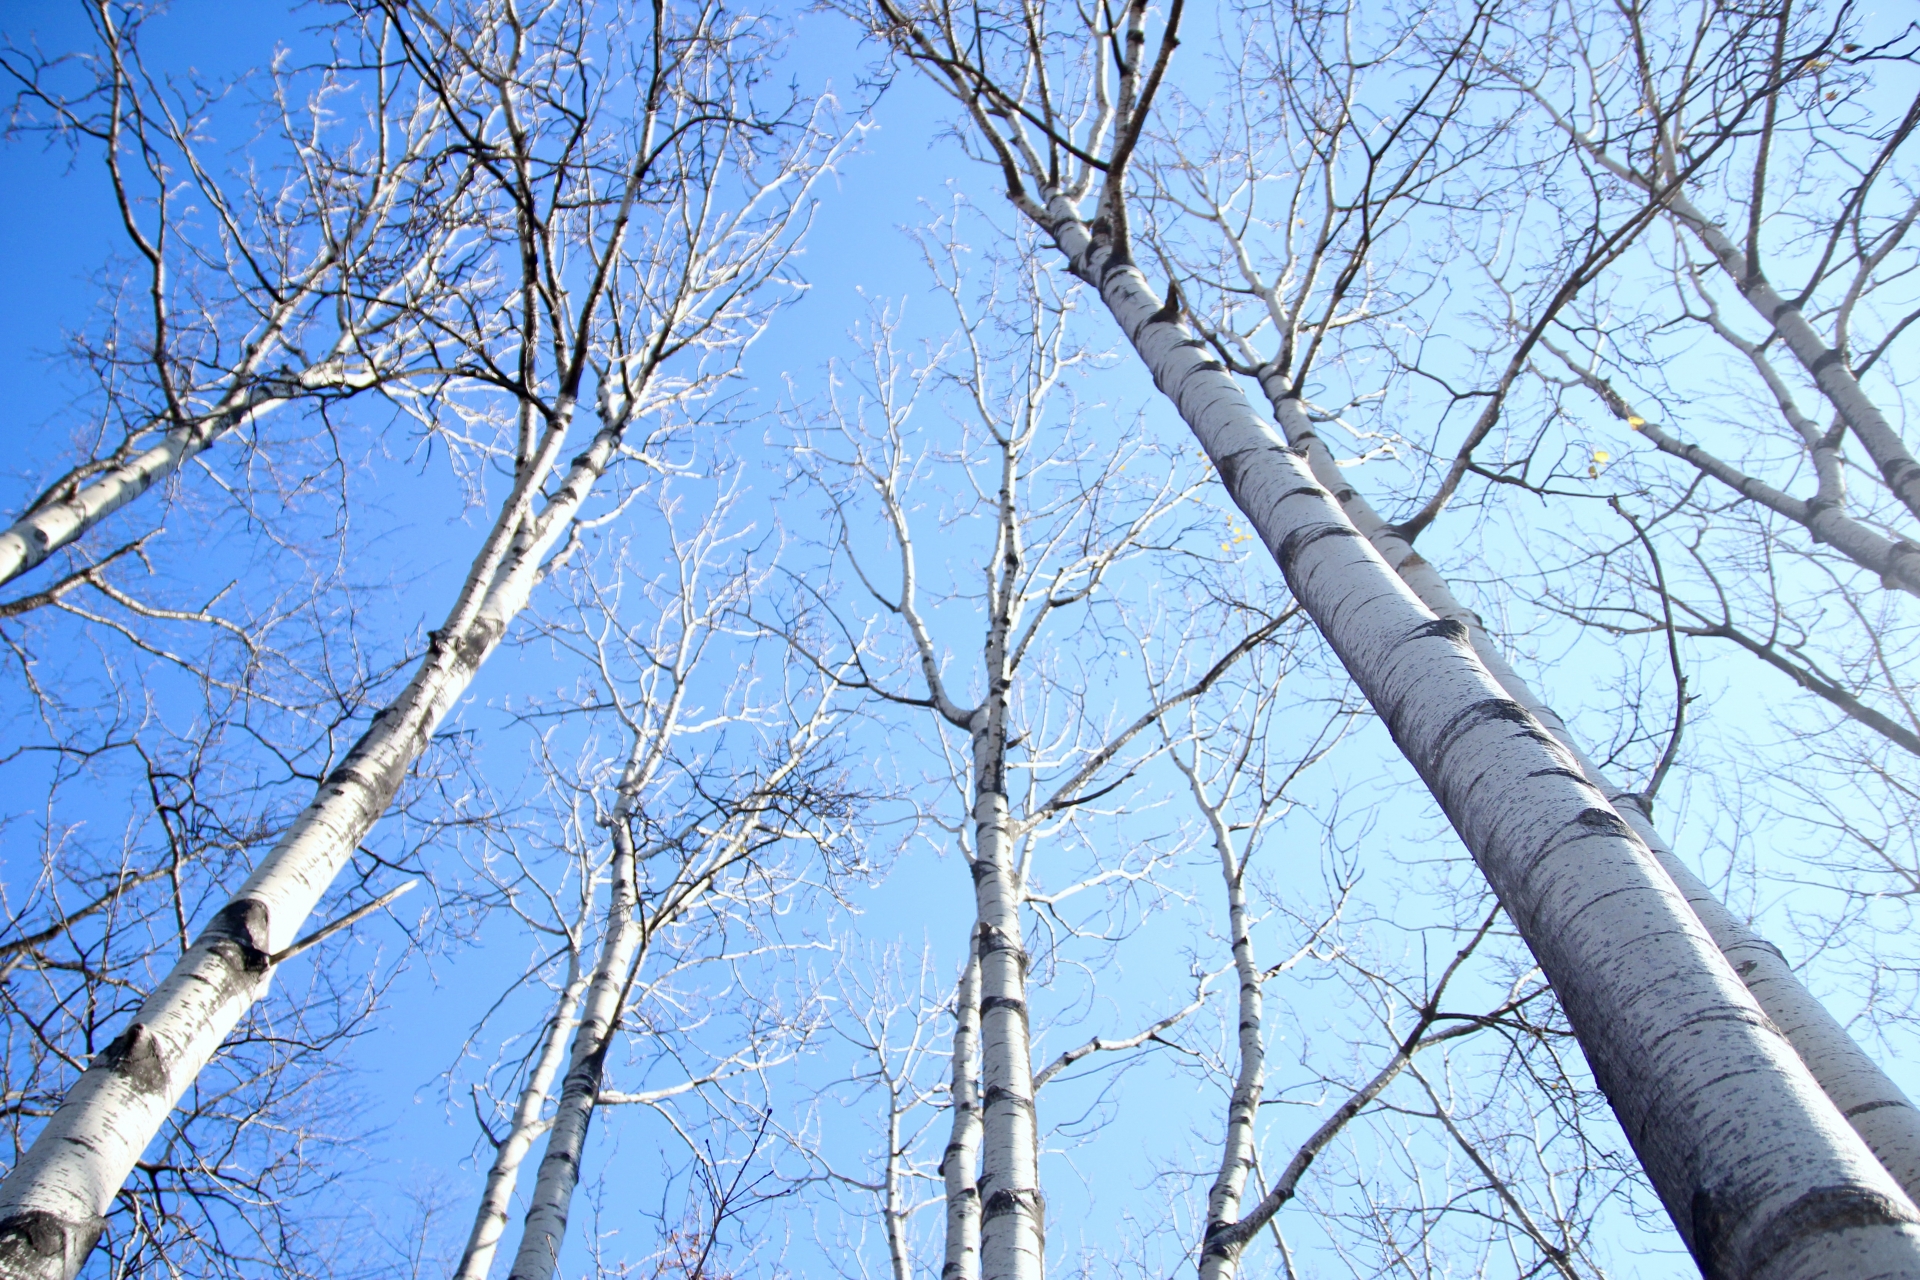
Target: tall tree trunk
(490, 1220)
(1871, 1102)
(52, 1204)
(546, 1223)
(1012, 1210)
(1243, 1106)
(960, 1165)
(1759, 1172)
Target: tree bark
(1871, 1102)
(1012, 1210)
(1243, 1107)
(1826, 366)
(52, 1204)
(546, 1222)
(490, 1220)
(959, 1167)
(1759, 1172)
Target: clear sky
(420, 1138)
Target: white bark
(960, 1166)
(1823, 364)
(1894, 559)
(1012, 1230)
(1237, 1152)
(47, 529)
(1759, 1172)
(1871, 1102)
(490, 1220)
(896, 1209)
(52, 1204)
(546, 1223)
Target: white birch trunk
(960, 1165)
(1012, 1211)
(1762, 1177)
(52, 1204)
(1823, 364)
(546, 1222)
(45, 530)
(490, 1220)
(897, 1208)
(1218, 1262)
(1871, 1102)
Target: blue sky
(60, 229)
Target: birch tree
(1316, 264)
(1767, 519)
(1058, 119)
(314, 273)
(682, 211)
(1059, 517)
(1243, 771)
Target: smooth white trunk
(960, 1165)
(1759, 1172)
(1012, 1211)
(1863, 1093)
(40, 533)
(1822, 363)
(898, 1207)
(545, 1230)
(1243, 1105)
(490, 1219)
(52, 1205)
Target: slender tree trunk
(1759, 1172)
(53, 525)
(1012, 1210)
(52, 1204)
(1826, 366)
(1871, 1102)
(960, 1166)
(897, 1208)
(490, 1220)
(1243, 1107)
(546, 1223)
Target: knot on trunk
(35, 1242)
(134, 1056)
(239, 935)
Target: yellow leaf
(1636, 422)
(1601, 455)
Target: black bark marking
(29, 1237)
(993, 1004)
(1010, 1200)
(1442, 629)
(1604, 822)
(134, 1056)
(1865, 1107)
(1169, 311)
(1230, 469)
(1485, 711)
(1300, 539)
(1558, 772)
(1824, 360)
(1821, 1211)
(239, 934)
